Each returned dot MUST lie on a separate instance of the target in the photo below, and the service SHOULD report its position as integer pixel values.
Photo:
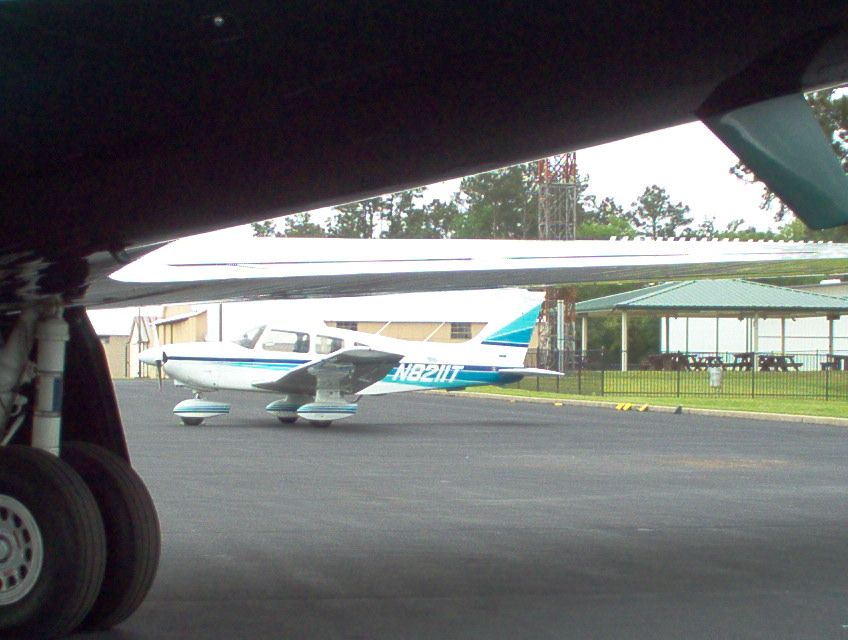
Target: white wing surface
(262, 268)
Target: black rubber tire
(191, 422)
(287, 420)
(132, 531)
(73, 539)
(321, 424)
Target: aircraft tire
(191, 422)
(52, 541)
(132, 532)
(289, 420)
(321, 424)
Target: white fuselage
(207, 366)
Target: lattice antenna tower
(558, 193)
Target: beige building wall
(115, 348)
(434, 331)
(438, 332)
(191, 329)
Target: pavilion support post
(716, 336)
(584, 335)
(755, 340)
(830, 321)
(667, 334)
(783, 336)
(686, 348)
(624, 341)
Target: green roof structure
(715, 299)
(727, 298)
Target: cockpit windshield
(250, 337)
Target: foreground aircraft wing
(351, 370)
(196, 269)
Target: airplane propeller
(159, 363)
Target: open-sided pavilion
(712, 298)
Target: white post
(584, 335)
(782, 336)
(687, 335)
(830, 320)
(52, 335)
(560, 328)
(624, 341)
(716, 344)
(667, 334)
(755, 332)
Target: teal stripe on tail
(517, 333)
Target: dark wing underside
(350, 370)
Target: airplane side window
(286, 341)
(326, 344)
(249, 338)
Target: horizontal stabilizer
(782, 142)
(531, 371)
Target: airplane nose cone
(152, 356)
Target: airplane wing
(351, 369)
(196, 269)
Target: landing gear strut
(79, 537)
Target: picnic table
(669, 362)
(778, 362)
(679, 361)
(742, 361)
(835, 362)
(700, 363)
(765, 362)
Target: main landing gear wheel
(52, 545)
(191, 422)
(288, 420)
(321, 424)
(132, 531)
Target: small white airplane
(321, 372)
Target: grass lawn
(795, 406)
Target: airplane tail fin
(509, 341)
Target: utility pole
(558, 194)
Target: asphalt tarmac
(432, 516)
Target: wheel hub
(21, 550)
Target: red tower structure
(558, 194)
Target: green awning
(717, 297)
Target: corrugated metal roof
(740, 296)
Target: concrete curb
(723, 413)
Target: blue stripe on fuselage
(466, 376)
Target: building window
(346, 324)
(460, 330)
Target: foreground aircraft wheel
(52, 545)
(191, 422)
(321, 424)
(289, 420)
(132, 531)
